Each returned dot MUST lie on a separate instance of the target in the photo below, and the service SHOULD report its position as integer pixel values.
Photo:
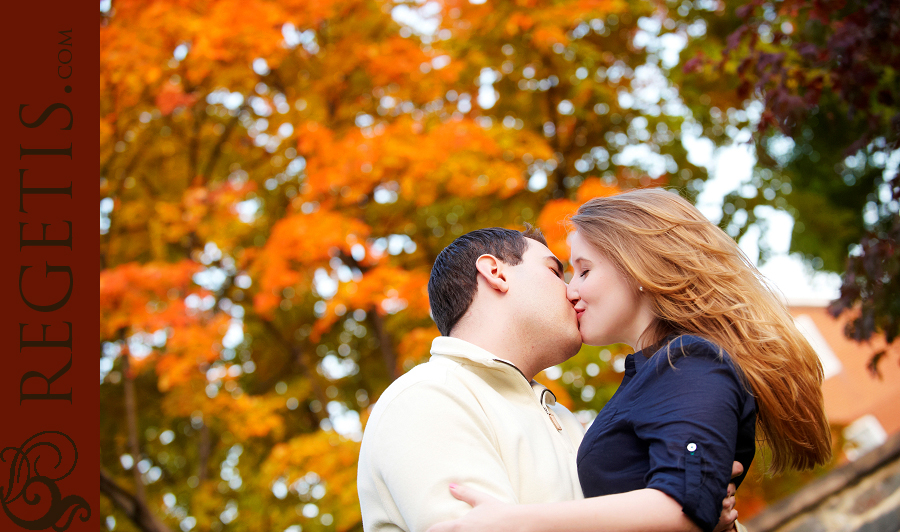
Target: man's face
(545, 316)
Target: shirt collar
(634, 362)
(641, 357)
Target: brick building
(863, 494)
(869, 407)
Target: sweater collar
(456, 348)
(447, 346)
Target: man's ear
(493, 271)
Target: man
(472, 414)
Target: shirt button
(691, 447)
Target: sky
(729, 167)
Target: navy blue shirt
(677, 422)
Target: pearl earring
(641, 288)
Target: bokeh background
(277, 177)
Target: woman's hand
(488, 514)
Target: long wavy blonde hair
(701, 283)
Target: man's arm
(428, 436)
(728, 517)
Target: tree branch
(134, 509)
(552, 99)
(384, 339)
(300, 361)
(203, 453)
(217, 149)
(194, 145)
(132, 427)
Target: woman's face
(610, 308)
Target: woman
(717, 358)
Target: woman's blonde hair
(701, 283)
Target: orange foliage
(448, 157)
(211, 211)
(269, 132)
(145, 297)
(593, 187)
(189, 350)
(553, 220)
(172, 96)
(553, 223)
(394, 60)
(301, 239)
(519, 22)
(546, 36)
(218, 31)
(415, 347)
(243, 415)
(328, 455)
(385, 289)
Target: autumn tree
(277, 178)
(222, 371)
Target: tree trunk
(384, 340)
(203, 453)
(132, 425)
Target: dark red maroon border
(58, 82)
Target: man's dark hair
(454, 279)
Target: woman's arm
(690, 417)
(631, 511)
(645, 509)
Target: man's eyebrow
(557, 263)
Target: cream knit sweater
(467, 417)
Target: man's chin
(573, 346)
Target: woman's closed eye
(583, 273)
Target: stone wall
(862, 496)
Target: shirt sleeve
(688, 416)
(429, 436)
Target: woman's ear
(493, 271)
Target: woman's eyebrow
(581, 261)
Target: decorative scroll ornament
(31, 498)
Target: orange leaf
(171, 97)
(553, 223)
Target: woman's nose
(572, 293)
